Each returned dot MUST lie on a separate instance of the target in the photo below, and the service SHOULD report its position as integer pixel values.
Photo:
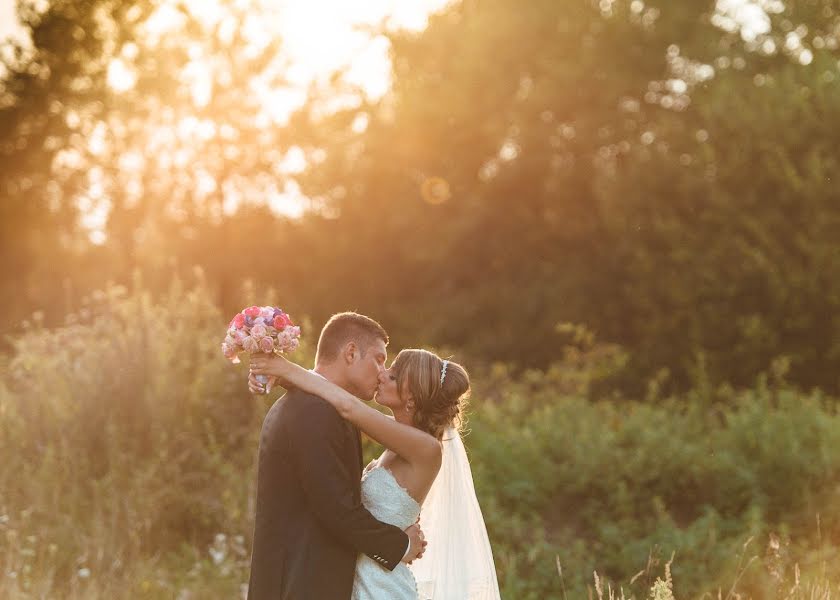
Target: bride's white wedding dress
(390, 503)
(458, 564)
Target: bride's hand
(270, 364)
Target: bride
(424, 464)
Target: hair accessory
(443, 371)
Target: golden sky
(318, 37)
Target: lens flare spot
(435, 190)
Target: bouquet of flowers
(260, 329)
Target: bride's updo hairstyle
(436, 405)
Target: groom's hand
(255, 387)
(417, 543)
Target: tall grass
(128, 445)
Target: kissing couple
(327, 529)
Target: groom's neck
(332, 372)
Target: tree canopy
(662, 173)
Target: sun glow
(319, 37)
(316, 39)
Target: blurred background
(621, 215)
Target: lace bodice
(387, 500)
(390, 503)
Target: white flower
(218, 555)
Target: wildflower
(661, 591)
(218, 555)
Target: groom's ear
(351, 352)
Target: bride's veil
(458, 562)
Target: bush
(614, 486)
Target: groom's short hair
(347, 327)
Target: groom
(310, 523)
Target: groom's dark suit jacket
(310, 523)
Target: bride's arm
(413, 445)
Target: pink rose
(239, 336)
(249, 344)
(288, 340)
(239, 321)
(282, 321)
(252, 311)
(230, 352)
(266, 312)
(266, 344)
(258, 331)
(259, 320)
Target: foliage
(614, 486)
(95, 415)
(130, 447)
(658, 176)
(657, 171)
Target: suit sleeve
(317, 445)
